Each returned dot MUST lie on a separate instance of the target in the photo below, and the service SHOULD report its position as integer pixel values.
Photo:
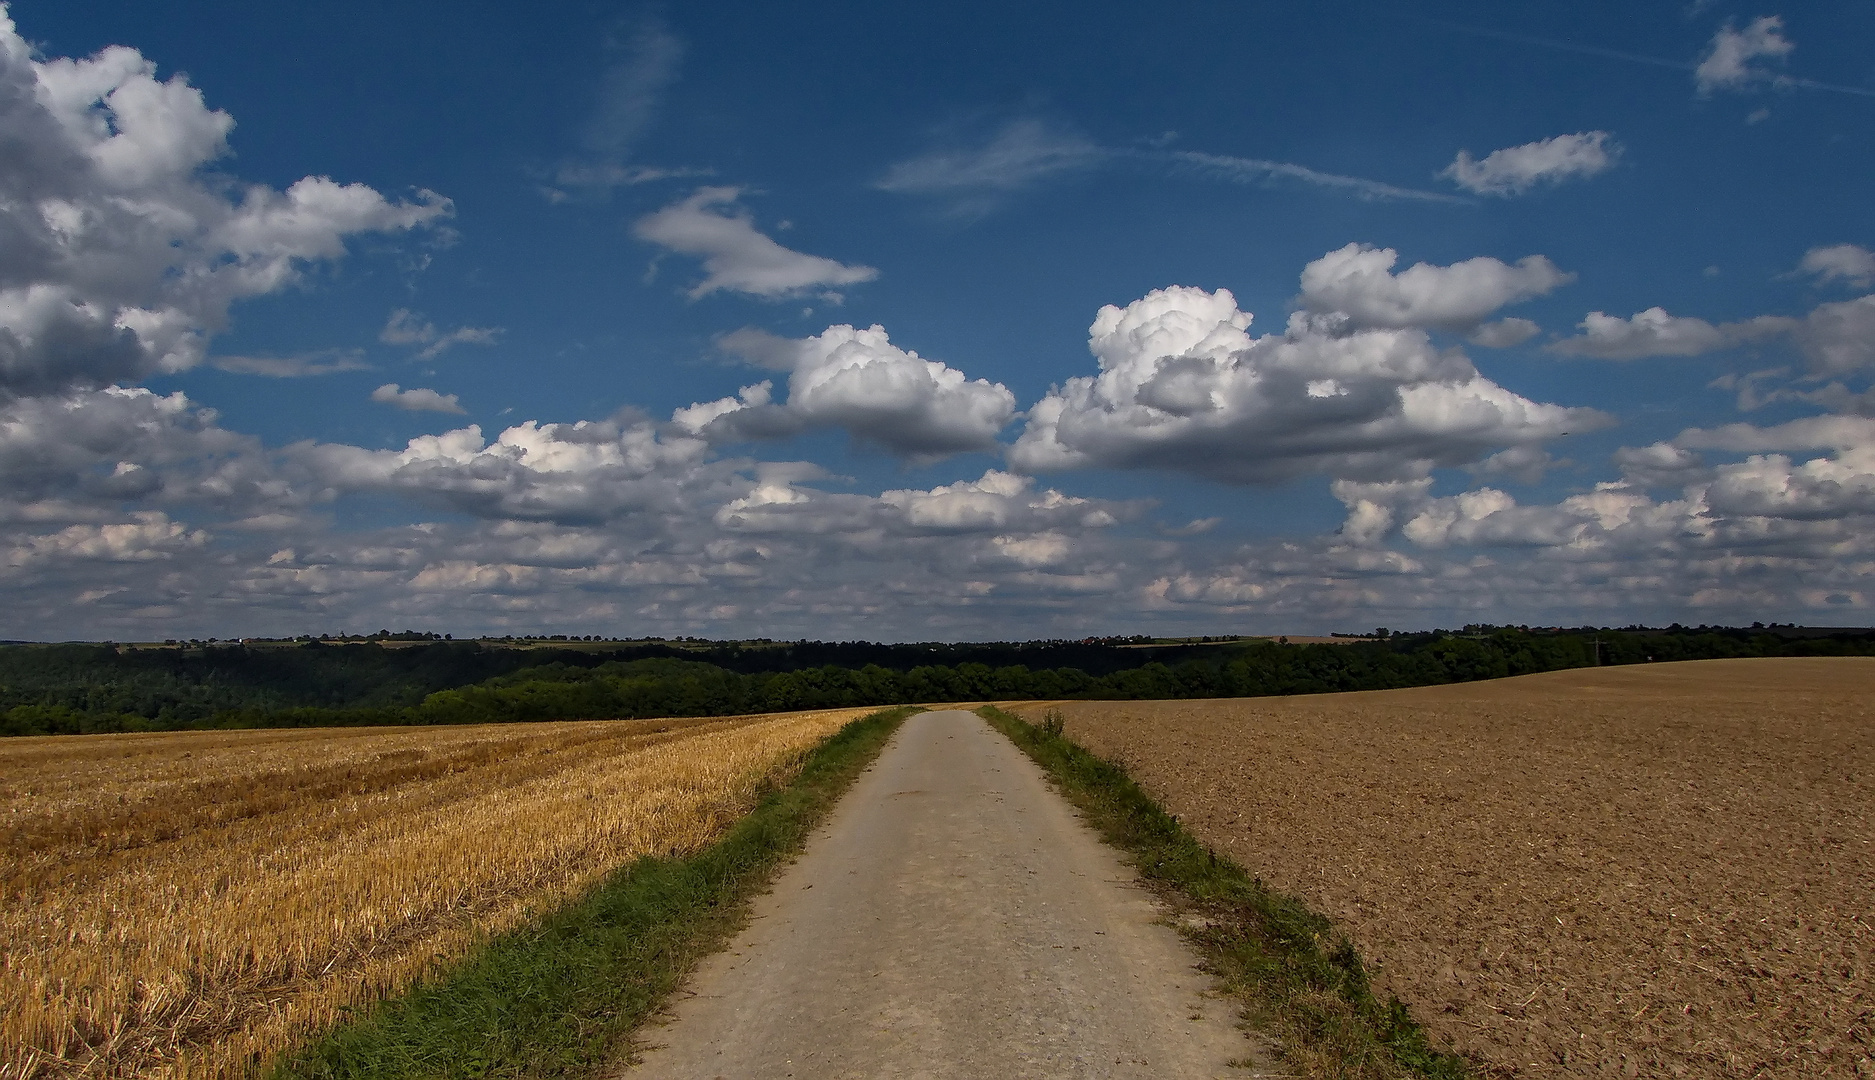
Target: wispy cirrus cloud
(1728, 61)
(406, 327)
(976, 177)
(323, 362)
(1242, 170)
(644, 60)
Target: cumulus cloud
(1357, 281)
(738, 257)
(857, 380)
(1774, 504)
(1516, 169)
(1840, 262)
(1732, 62)
(995, 504)
(1647, 333)
(416, 399)
(625, 523)
(115, 444)
(406, 327)
(123, 255)
(148, 535)
(1660, 464)
(588, 471)
(1835, 338)
(1184, 386)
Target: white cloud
(996, 504)
(123, 257)
(1660, 464)
(1840, 262)
(417, 399)
(1835, 338)
(405, 327)
(1356, 281)
(588, 471)
(1516, 169)
(1647, 333)
(609, 524)
(857, 380)
(117, 443)
(1731, 62)
(1524, 464)
(1184, 386)
(1809, 433)
(738, 257)
(147, 536)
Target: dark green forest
(85, 688)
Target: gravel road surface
(953, 918)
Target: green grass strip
(559, 996)
(1299, 979)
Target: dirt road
(952, 919)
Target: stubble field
(188, 904)
(1665, 870)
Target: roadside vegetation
(192, 905)
(69, 689)
(1300, 981)
(562, 995)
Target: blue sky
(982, 321)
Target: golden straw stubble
(189, 904)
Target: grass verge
(559, 996)
(1300, 980)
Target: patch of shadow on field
(1301, 982)
(558, 996)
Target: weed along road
(953, 918)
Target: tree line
(84, 689)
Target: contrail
(1244, 170)
(1636, 58)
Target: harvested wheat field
(1666, 870)
(188, 904)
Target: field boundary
(562, 994)
(1299, 979)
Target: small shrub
(1053, 722)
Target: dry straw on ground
(187, 904)
(1665, 870)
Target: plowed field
(186, 905)
(1665, 870)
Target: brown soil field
(1661, 870)
(189, 904)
